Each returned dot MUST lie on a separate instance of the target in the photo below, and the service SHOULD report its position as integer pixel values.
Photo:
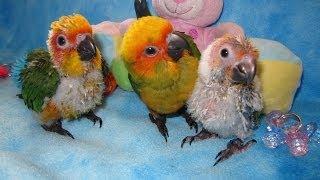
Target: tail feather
(16, 70)
(141, 8)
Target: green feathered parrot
(162, 66)
(66, 82)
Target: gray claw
(161, 125)
(234, 146)
(189, 139)
(57, 128)
(92, 117)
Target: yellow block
(279, 81)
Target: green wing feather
(134, 85)
(192, 45)
(120, 73)
(39, 79)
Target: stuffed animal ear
(141, 8)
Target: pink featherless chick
(226, 99)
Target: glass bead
(297, 142)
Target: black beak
(87, 49)
(176, 46)
(141, 8)
(244, 71)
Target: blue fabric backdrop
(128, 145)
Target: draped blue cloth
(129, 145)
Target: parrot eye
(61, 41)
(151, 51)
(224, 53)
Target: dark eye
(61, 40)
(151, 51)
(224, 53)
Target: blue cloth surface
(129, 145)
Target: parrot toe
(161, 124)
(189, 139)
(57, 128)
(92, 117)
(235, 146)
(204, 134)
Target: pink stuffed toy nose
(179, 1)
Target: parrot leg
(57, 128)
(204, 134)
(92, 117)
(160, 121)
(235, 146)
(192, 124)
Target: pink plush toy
(194, 17)
(112, 28)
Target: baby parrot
(226, 99)
(66, 82)
(162, 66)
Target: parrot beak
(176, 46)
(87, 49)
(244, 71)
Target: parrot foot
(160, 121)
(92, 117)
(192, 124)
(235, 146)
(204, 134)
(57, 128)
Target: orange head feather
(144, 33)
(63, 42)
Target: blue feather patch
(16, 69)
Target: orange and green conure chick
(162, 66)
(66, 82)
